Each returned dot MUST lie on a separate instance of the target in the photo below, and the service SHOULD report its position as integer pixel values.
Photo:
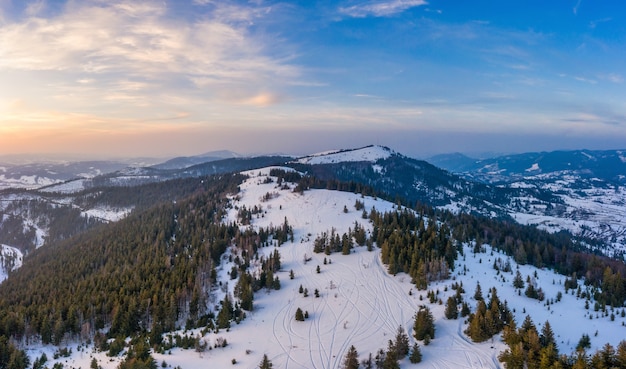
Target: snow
(28, 182)
(588, 156)
(9, 252)
(108, 214)
(533, 168)
(378, 169)
(360, 304)
(66, 187)
(594, 212)
(369, 153)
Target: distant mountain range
(182, 162)
(607, 165)
(582, 192)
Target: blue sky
(162, 78)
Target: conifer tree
(401, 344)
(226, 314)
(299, 315)
(391, 358)
(518, 281)
(452, 309)
(424, 324)
(546, 337)
(416, 354)
(351, 361)
(266, 363)
(478, 294)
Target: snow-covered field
(360, 304)
(69, 187)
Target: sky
(113, 78)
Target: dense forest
(138, 274)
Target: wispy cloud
(586, 80)
(380, 8)
(138, 41)
(613, 77)
(594, 24)
(575, 9)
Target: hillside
(360, 303)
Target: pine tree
(546, 337)
(266, 363)
(391, 358)
(401, 344)
(452, 309)
(518, 281)
(416, 354)
(620, 355)
(424, 324)
(478, 294)
(226, 314)
(299, 315)
(351, 360)
(583, 343)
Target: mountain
(182, 162)
(454, 162)
(608, 165)
(36, 175)
(588, 187)
(217, 276)
(414, 181)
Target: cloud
(380, 8)
(112, 41)
(263, 100)
(575, 9)
(585, 80)
(613, 77)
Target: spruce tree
(266, 363)
(424, 324)
(351, 360)
(416, 354)
(391, 358)
(546, 337)
(299, 315)
(452, 309)
(478, 294)
(518, 281)
(401, 344)
(226, 314)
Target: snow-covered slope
(360, 304)
(368, 153)
(10, 259)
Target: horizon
(42, 158)
(106, 79)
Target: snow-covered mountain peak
(371, 153)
